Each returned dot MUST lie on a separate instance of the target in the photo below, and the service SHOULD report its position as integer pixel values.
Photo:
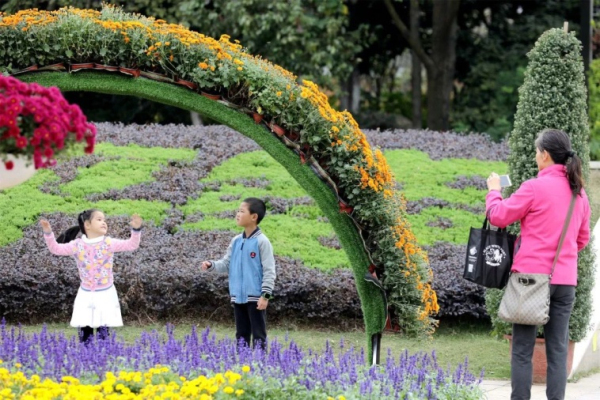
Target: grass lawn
(452, 342)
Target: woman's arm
(583, 236)
(503, 212)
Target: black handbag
(489, 256)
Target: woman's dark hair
(558, 145)
(72, 232)
(256, 206)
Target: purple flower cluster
(52, 355)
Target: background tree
(492, 42)
(493, 38)
(594, 85)
(555, 70)
(439, 62)
(373, 93)
(415, 73)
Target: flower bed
(304, 291)
(53, 365)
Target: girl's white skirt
(95, 309)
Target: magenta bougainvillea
(38, 122)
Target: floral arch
(323, 149)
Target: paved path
(587, 388)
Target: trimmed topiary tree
(322, 148)
(553, 95)
(594, 85)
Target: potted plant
(36, 123)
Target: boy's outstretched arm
(221, 265)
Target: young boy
(251, 267)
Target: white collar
(90, 241)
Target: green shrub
(594, 99)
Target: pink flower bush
(38, 122)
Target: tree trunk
(355, 98)
(350, 100)
(415, 73)
(441, 74)
(440, 64)
(378, 90)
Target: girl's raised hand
(136, 221)
(45, 225)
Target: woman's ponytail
(574, 173)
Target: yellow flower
(246, 368)
(228, 390)
(239, 392)
(203, 65)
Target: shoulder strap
(564, 233)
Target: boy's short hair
(256, 206)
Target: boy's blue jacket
(251, 267)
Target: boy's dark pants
(250, 322)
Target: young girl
(96, 304)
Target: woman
(541, 204)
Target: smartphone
(505, 181)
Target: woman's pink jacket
(541, 204)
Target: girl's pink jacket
(94, 257)
(541, 205)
